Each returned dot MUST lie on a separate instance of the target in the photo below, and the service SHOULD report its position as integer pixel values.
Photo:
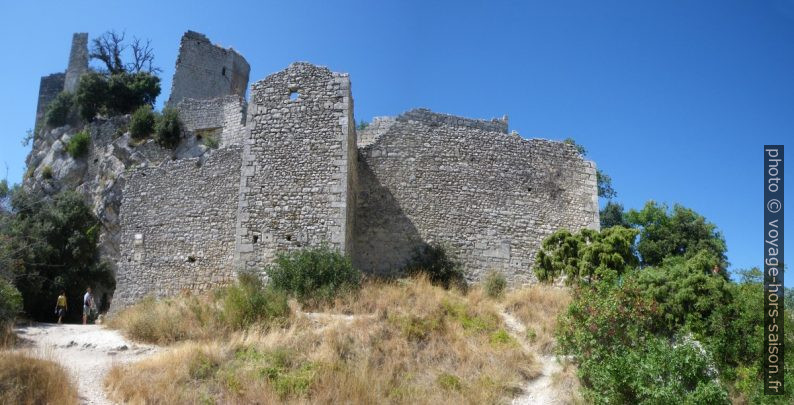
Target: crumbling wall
(206, 71)
(78, 61)
(177, 227)
(298, 165)
(373, 130)
(223, 117)
(489, 197)
(49, 87)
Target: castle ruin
(291, 171)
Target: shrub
(142, 122)
(119, 93)
(168, 128)
(28, 380)
(655, 373)
(10, 303)
(58, 110)
(494, 284)
(46, 172)
(211, 141)
(128, 91)
(248, 302)
(587, 255)
(91, 95)
(78, 144)
(314, 275)
(439, 267)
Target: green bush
(78, 144)
(58, 110)
(168, 128)
(654, 373)
(494, 284)
(91, 95)
(248, 302)
(142, 122)
(211, 141)
(587, 255)
(119, 93)
(314, 275)
(46, 172)
(10, 302)
(438, 266)
(128, 91)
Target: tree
(49, 244)
(587, 255)
(682, 232)
(612, 215)
(109, 49)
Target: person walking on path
(61, 306)
(88, 304)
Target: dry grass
(29, 380)
(207, 316)
(538, 307)
(408, 342)
(566, 384)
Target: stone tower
(206, 71)
(78, 61)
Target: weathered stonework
(49, 87)
(205, 71)
(489, 197)
(78, 61)
(178, 222)
(223, 117)
(291, 171)
(297, 165)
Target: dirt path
(88, 352)
(541, 390)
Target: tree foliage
(168, 128)
(586, 255)
(612, 215)
(682, 232)
(49, 244)
(57, 112)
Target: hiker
(88, 304)
(61, 306)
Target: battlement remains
(206, 71)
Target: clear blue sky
(673, 99)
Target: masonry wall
(177, 227)
(78, 61)
(49, 87)
(222, 116)
(491, 198)
(374, 129)
(206, 71)
(297, 168)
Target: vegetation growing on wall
(78, 144)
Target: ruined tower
(206, 71)
(78, 61)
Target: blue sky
(673, 99)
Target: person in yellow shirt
(61, 306)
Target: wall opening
(223, 71)
(293, 95)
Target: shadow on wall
(386, 241)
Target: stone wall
(206, 71)
(298, 165)
(491, 198)
(78, 61)
(49, 87)
(433, 119)
(222, 116)
(374, 129)
(178, 223)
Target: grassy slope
(401, 342)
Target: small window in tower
(223, 71)
(293, 95)
(256, 238)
